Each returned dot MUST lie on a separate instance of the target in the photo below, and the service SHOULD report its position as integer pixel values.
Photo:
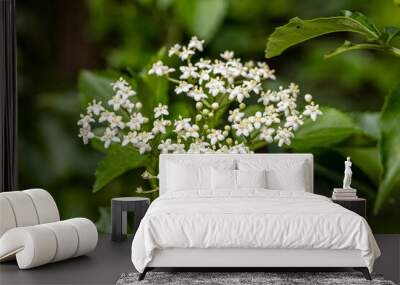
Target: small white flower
(130, 138)
(109, 136)
(160, 110)
(308, 98)
(116, 102)
(182, 124)
(183, 87)
(174, 50)
(239, 149)
(244, 127)
(312, 111)
(227, 55)
(238, 93)
(252, 85)
(136, 121)
(159, 126)
(293, 122)
(120, 84)
(85, 121)
(165, 146)
(204, 64)
(126, 93)
(215, 86)
(257, 120)
(214, 136)
(197, 94)
(128, 105)
(116, 122)
(265, 71)
(188, 72)
(235, 115)
(86, 134)
(95, 108)
(143, 147)
(185, 53)
(196, 43)
(105, 116)
(294, 89)
(283, 136)
(199, 147)
(160, 69)
(204, 76)
(146, 175)
(178, 148)
(267, 134)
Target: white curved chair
(31, 230)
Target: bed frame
(246, 258)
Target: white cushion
(183, 178)
(282, 174)
(40, 244)
(251, 178)
(223, 179)
(30, 230)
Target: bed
(247, 210)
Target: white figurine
(347, 174)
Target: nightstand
(357, 205)
(119, 208)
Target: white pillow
(223, 179)
(251, 179)
(292, 180)
(182, 177)
(281, 174)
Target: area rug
(253, 278)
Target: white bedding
(252, 218)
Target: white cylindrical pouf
(23, 208)
(34, 246)
(87, 234)
(67, 240)
(45, 205)
(7, 218)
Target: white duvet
(250, 219)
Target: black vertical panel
(8, 97)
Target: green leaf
(298, 30)
(366, 158)
(330, 129)
(389, 148)
(202, 17)
(117, 161)
(103, 224)
(93, 86)
(368, 122)
(152, 90)
(183, 108)
(349, 46)
(389, 33)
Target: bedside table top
(351, 199)
(130, 199)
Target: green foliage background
(58, 40)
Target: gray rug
(243, 278)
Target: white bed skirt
(192, 257)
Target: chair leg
(364, 271)
(143, 274)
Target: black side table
(119, 208)
(357, 205)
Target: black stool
(119, 208)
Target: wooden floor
(110, 260)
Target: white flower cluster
(228, 82)
(221, 123)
